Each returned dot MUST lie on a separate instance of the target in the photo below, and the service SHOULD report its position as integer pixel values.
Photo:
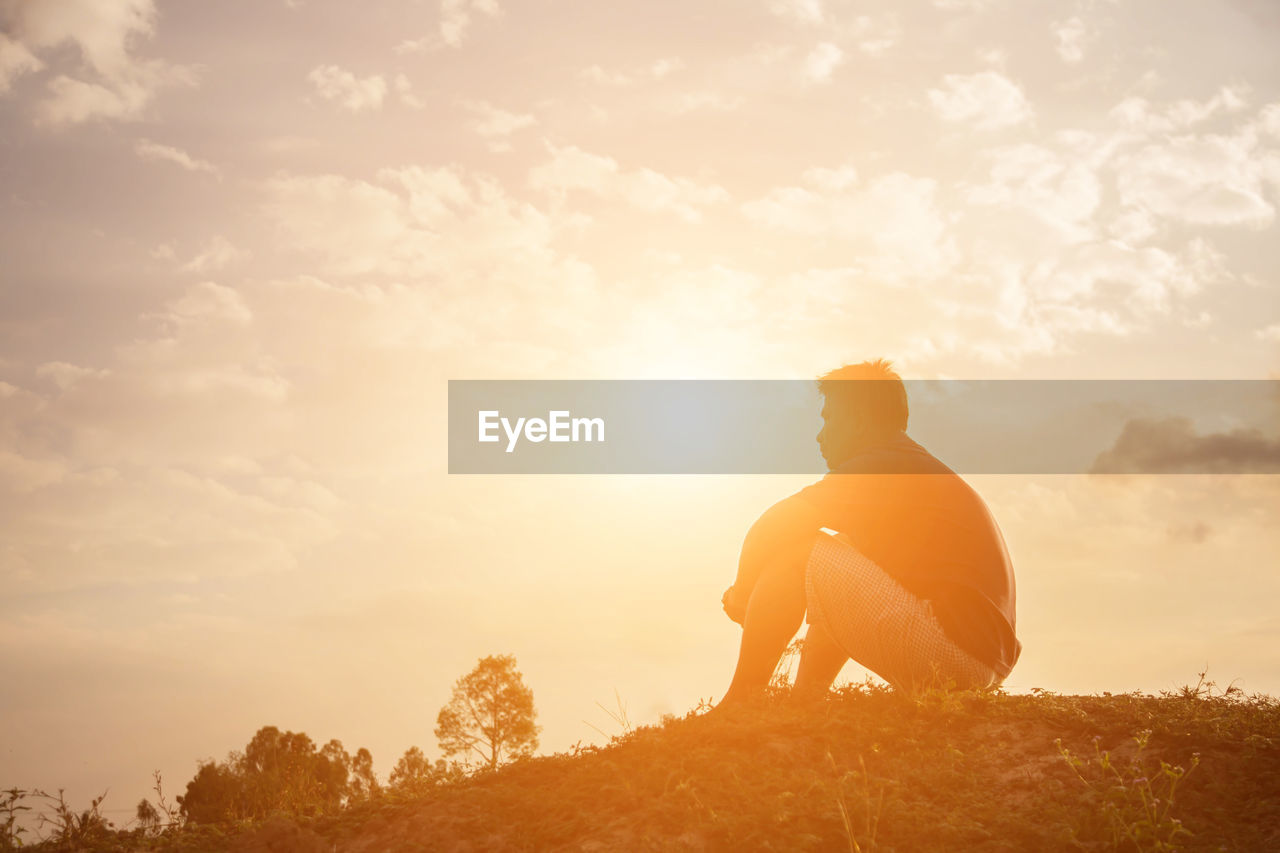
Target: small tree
(147, 816)
(490, 714)
(364, 785)
(415, 775)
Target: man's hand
(734, 607)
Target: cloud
(798, 11)
(892, 224)
(456, 16)
(988, 100)
(405, 90)
(15, 60)
(1058, 190)
(1139, 281)
(148, 150)
(963, 5)
(207, 302)
(822, 61)
(120, 85)
(572, 169)
(347, 90)
(656, 70)
(1270, 333)
(460, 231)
(495, 126)
(703, 100)
(1203, 180)
(1137, 113)
(1069, 38)
(74, 101)
(1172, 446)
(66, 375)
(23, 475)
(874, 38)
(217, 254)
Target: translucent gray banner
(769, 426)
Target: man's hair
(877, 392)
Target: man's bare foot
(734, 703)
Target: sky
(245, 245)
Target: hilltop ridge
(864, 769)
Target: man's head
(862, 403)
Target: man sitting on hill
(916, 585)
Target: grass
(865, 769)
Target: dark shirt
(927, 528)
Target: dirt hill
(864, 770)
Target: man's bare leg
(774, 614)
(821, 660)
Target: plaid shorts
(881, 625)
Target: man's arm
(784, 529)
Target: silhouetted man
(916, 586)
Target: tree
(414, 774)
(147, 816)
(490, 714)
(278, 772)
(364, 785)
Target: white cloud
(702, 100)
(1270, 333)
(1070, 37)
(74, 101)
(822, 61)
(1145, 279)
(104, 31)
(349, 91)
(456, 15)
(15, 60)
(495, 125)
(148, 150)
(665, 66)
(65, 375)
(572, 169)
(892, 225)
(1203, 180)
(217, 254)
(1033, 182)
(411, 221)
(988, 100)
(1269, 120)
(874, 37)
(658, 69)
(798, 11)
(23, 475)
(841, 178)
(1133, 226)
(405, 90)
(208, 301)
(1137, 113)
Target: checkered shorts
(883, 626)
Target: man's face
(838, 433)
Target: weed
(1136, 809)
(781, 677)
(10, 804)
(70, 827)
(872, 805)
(619, 717)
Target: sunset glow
(244, 246)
